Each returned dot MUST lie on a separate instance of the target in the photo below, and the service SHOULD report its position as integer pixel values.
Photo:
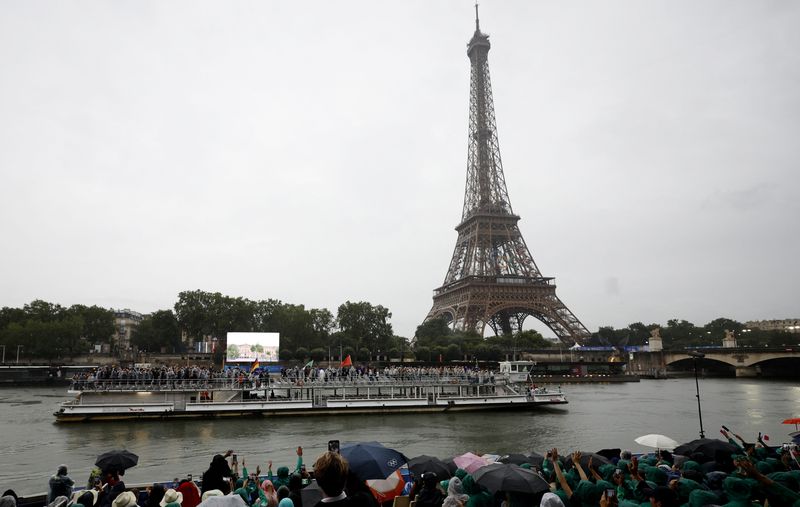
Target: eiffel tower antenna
(492, 278)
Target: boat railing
(256, 383)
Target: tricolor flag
(347, 361)
(255, 365)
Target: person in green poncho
(282, 478)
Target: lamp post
(18, 347)
(695, 356)
(4, 353)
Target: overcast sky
(315, 152)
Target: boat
(165, 399)
(539, 372)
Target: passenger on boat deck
(430, 495)
(8, 501)
(125, 499)
(154, 495)
(171, 498)
(218, 476)
(330, 471)
(282, 478)
(295, 485)
(60, 484)
(190, 492)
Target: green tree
(156, 331)
(366, 325)
(233, 351)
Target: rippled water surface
(598, 416)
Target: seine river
(598, 416)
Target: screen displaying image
(253, 346)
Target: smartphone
(303, 468)
(189, 476)
(725, 428)
(235, 459)
(610, 493)
(333, 446)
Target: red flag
(347, 361)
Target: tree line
(359, 329)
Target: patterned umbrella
(371, 460)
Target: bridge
(743, 361)
(746, 361)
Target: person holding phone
(330, 471)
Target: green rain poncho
(701, 498)
(587, 494)
(478, 497)
(685, 488)
(738, 492)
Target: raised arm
(559, 475)
(576, 461)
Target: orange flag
(347, 361)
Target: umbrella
(597, 460)
(706, 446)
(794, 420)
(516, 459)
(657, 441)
(311, 494)
(609, 453)
(510, 478)
(535, 459)
(470, 462)
(386, 489)
(422, 464)
(371, 460)
(116, 460)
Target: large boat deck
(141, 398)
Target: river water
(598, 416)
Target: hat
(171, 496)
(125, 499)
(81, 497)
(210, 493)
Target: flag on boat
(309, 364)
(347, 361)
(255, 365)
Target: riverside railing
(246, 383)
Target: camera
(610, 493)
(333, 446)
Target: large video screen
(248, 347)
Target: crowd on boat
(705, 472)
(173, 376)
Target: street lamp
(695, 356)
(18, 347)
(4, 353)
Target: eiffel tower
(493, 278)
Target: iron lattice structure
(492, 278)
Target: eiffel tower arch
(492, 278)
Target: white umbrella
(657, 441)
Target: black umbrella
(422, 464)
(371, 460)
(708, 447)
(116, 460)
(597, 460)
(510, 478)
(609, 453)
(536, 459)
(451, 465)
(515, 458)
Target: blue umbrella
(371, 460)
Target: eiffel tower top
(485, 191)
